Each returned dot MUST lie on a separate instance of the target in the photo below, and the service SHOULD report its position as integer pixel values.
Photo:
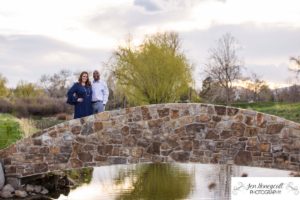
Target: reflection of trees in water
(156, 181)
(59, 182)
(56, 184)
(80, 176)
(224, 174)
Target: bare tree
(295, 69)
(224, 65)
(56, 85)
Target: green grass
(290, 111)
(10, 130)
(13, 129)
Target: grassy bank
(289, 111)
(10, 130)
(13, 128)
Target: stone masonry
(159, 133)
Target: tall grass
(27, 126)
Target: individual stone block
(137, 152)
(187, 145)
(251, 131)
(216, 118)
(156, 123)
(264, 147)
(249, 120)
(180, 156)
(41, 167)
(174, 114)
(232, 111)
(194, 128)
(163, 112)
(260, 120)
(98, 126)
(212, 135)
(243, 158)
(145, 113)
(238, 129)
(252, 142)
(274, 128)
(220, 110)
(203, 118)
(85, 157)
(87, 128)
(154, 148)
(226, 134)
(117, 160)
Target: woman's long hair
(88, 83)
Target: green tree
(157, 71)
(3, 89)
(25, 89)
(156, 181)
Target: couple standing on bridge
(88, 98)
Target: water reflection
(60, 183)
(153, 181)
(80, 177)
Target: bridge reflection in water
(156, 181)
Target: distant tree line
(156, 71)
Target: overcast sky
(43, 36)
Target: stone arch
(159, 133)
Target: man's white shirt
(100, 91)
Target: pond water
(157, 181)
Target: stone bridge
(158, 133)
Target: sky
(42, 37)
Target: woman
(80, 95)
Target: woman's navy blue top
(83, 108)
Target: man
(100, 93)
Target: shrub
(61, 116)
(40, 106)
(20, 110)
(5, 106)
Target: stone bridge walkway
(158, 133)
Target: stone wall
(159, 133)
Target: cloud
(27, 57)
(117, 23)
(86, 33)
(147, 4)
(265, 50)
